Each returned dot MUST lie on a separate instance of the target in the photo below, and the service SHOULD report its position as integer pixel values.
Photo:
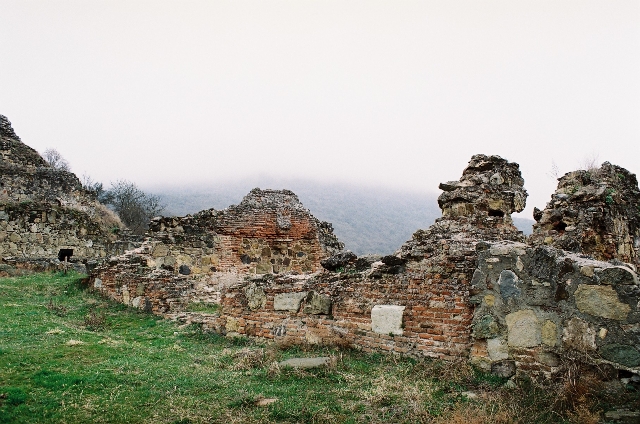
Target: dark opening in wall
(560, 226)
(496, 212)
(65, 254)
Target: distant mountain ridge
(367, 220)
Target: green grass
(208, 308)
(67, 355)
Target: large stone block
(160, 250)
(232, 325)
(617, 275)
(306, 362)
(578, 335)
(497, 349)
(125, 295)
(508, 284)
(549, 333)
(317, 304)
(387, 319)
(601, 301)
(256, 298)
(524, 329)
(288, 301)
(503, 369)
(622, 354)
(485, 328)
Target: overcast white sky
(389, 93)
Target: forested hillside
(366, 219)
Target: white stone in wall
(497, 349)
(125, 295)
(524, 329)
(288, 301)
(137, 302)
(387, 319)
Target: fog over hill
(366, 219)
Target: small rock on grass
(265, 401)
(306, 362)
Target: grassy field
(69, 356)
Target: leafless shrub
(590, 163)
(583, 415)
(95, 187)
(578, 385)
(55, 160)
(110, 219)
(555, 170)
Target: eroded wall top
(6, 130)
(595, 212)
(489, 185)
(15, 152)
(476, 207)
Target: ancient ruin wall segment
(45, 212)
(469, 286)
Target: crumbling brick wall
(269, 232)
(414, 302)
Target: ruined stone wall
(392, 306)
(128, 279)
(538, 305)
(595, 212)
(44, 210)
(414, 302)
(269, 232)
(469, 286)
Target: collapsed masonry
(45, 214)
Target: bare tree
(94, 187)
(555, 170)
(55, 159)
(134, 206)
